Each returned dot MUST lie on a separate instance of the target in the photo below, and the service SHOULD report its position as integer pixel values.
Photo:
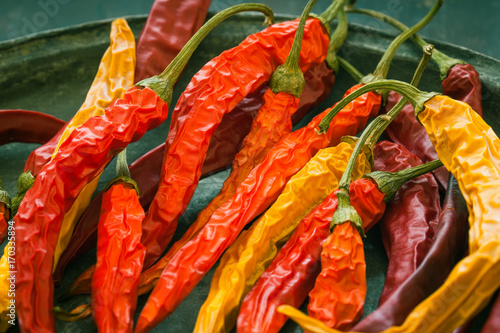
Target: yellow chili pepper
(6, 292)
(470, 150)
(114, 76)
(243, 262)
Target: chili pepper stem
(123, 173)
(331, 12)
(350, 69)
(389, 182)
(337, 40)
(163, 83)
(384, 63)
(24, 183)
(443, 61)
(289, 77)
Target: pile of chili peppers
(286, 232)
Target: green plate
(51, 72)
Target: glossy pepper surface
(27, 126)
(291, 274)
(263, 185)
(214, 91)
(245, 260)
(119, 259)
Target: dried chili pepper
(7, 288)
(212, 92)
(81, 157)
(446, 250)
(119, 254)
(170, 24)
(245, 260)
(5, 206)
(27, 126)
(411, 218)
(111, 82)
(469, 149)
(459, 80)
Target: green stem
(24, 183)
(331, 12)
(163, 84)
(337, 40)
(5, 199)
(389, 182)
(369, 137)
(123, 173)
(289, 77)
(443, 61)
(350, 69)
(416, 97)
(385, 62)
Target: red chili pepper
(411, 218)
(119, 254)
(86, 152)
(214, 91)
(449, 244)
(27, 126)
(169, 26)
(5, 204)
(292, 273)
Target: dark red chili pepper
(449, 244)
(410, 219)
(27, 126)
(169, 26)
(492, 323)
(83, 156)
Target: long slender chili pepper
(459, 80)
(379, 187)
(109, 84)
(212, 92)
(411, 218)
(114, 77)
(447, 249)
(245, 260)
(169, 26)
(81, 157)
(470, 150)
(119, 254)
(224, 144)
(27, 126)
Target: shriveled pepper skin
(410, 219)
(254, 195)
(292, 273)
(170, 24)
(339, 293)
(114, 76)
(27, 126)
(286, 158)
(212, 92)
(82, 157)
(447, 249)
(464, 84)
(119, 260)
(245, 260)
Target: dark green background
(471, 24)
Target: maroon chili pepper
(449, 244)
(27, 126)
(492, 323)
(410, 219)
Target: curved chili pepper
(411, 218)
(460, 137)
(83, 156)
(169, 26)
(460, 81)
(119, 254)
(245, 260)
(291, 275)
(212, 92)
(27, 126)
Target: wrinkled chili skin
(42, 155)
(410, 219)
(212, 92)
(257, 192)
(87, 152)
(224, 145)
(27, 126)
(292, 273)
(170, 24)
(464, 84)
(447, 249)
